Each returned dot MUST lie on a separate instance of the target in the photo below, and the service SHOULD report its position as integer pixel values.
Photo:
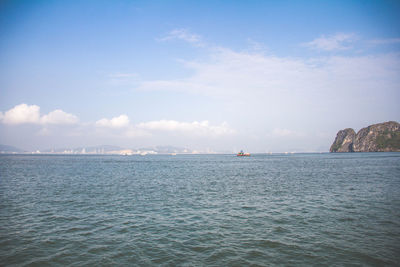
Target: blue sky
(219, 75)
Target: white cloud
(385, 41)
(202, 128)
(116, 122)
(339, 41)
(59, 117)
(23, 113)
(184, 35)
(257, 46)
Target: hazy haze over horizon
(208, 75)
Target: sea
(339, 209)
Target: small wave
(346, 219)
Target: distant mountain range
(10, 149)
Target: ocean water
(200, 210)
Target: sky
(262, 76)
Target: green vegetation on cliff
(388, 139)
(381, 137)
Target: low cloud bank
(116, 126)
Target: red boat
(242, 154)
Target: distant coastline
(117, 150)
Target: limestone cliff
(344, 141)
(381, 137)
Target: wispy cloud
(257, 46)
(274, 91)
(184, 35)
(195, 128)
(30, 114)
(387, 41)
(230, 74)
(339, 41)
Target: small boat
(242, 154)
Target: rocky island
(381, 137)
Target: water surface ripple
(200, 210)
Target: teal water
(200, 210)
